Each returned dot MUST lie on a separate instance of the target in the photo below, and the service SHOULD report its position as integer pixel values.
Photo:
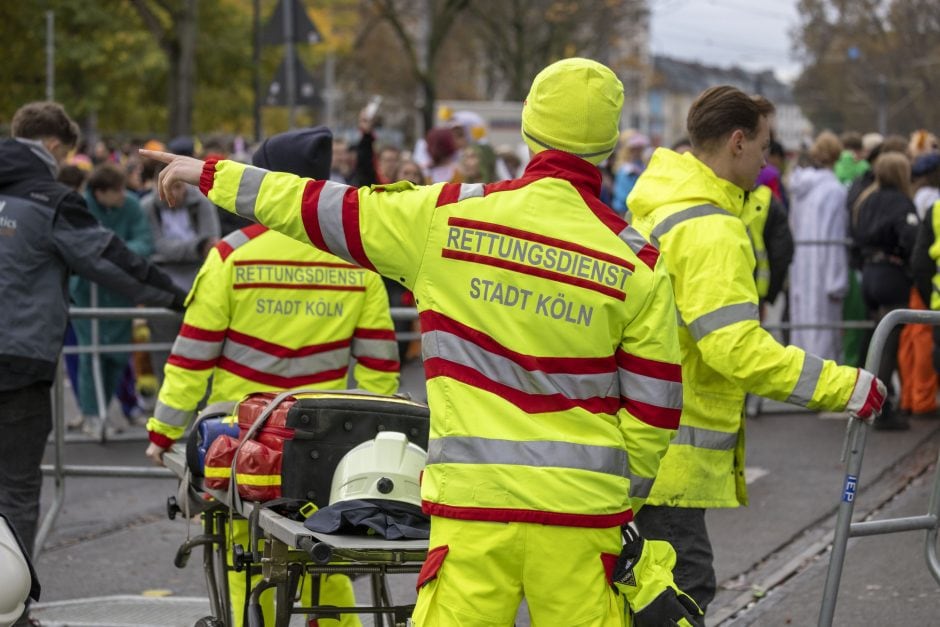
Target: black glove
(640, 572)
(179, 300)
(670, 610)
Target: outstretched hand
(179, 169)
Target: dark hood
(18, 163)
(306, 152)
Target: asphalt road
(113, 539)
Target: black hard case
(329, 426)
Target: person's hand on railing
(867, 398)
(155, 453)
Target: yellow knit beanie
(574, 105)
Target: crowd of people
(860, 209)
(859, 213)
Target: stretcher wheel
(172, 508)
(209, 621)
(321, 553)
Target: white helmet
(15, 575)
(388, 467)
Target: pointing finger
(157, 155)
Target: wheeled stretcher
(291, 553)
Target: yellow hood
(671, 178)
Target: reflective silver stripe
(705, 438)
(248, 188)
(541, 454)
(236, 239)
(199, 350)
(470, 190)
(583, 155)
(168, 415)
(286, 366)
(650, 390)
(330, 216)
(802, 392)
(511, 374)
(633, 238)
(699, 211)
(640, 487)
(722, 317)
(379, 349)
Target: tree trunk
(429, 90)
(182, 79)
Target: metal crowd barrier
(855, 437)
(58, 470)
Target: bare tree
(422, 34)
(173, 23)
(869, 64)
(520, 37)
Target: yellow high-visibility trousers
(477, 573)
(334, 589)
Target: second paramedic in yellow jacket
(691, 206)
(269, 313)
(550, 351)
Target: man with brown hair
(690, 206)
(46, 232)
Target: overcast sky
(750, 34)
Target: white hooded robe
(819, 276)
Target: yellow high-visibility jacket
(549, 331)
(934, 252)
(695, 219)
(267, 313)
(755, 213)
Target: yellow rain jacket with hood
(695, 218)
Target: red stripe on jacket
(278, 350)
(205, 335)
(649, 367)
(362, 333)
(300, 286)
(279, 381)
(648, 254)
(191, 364)
(541, 239)
(207, 177)
(494, 514)
(351, 229)
(529, 270)
(653, 415)
(309, 205)
(449, 194)
(225, 248)
(435, 321)
(529, 403)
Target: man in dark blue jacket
(47, 232)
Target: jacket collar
(39, 149)
(563, 165)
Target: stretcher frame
(290, 552)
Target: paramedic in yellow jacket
(269, 313)
(549, 344)
(691, 206)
